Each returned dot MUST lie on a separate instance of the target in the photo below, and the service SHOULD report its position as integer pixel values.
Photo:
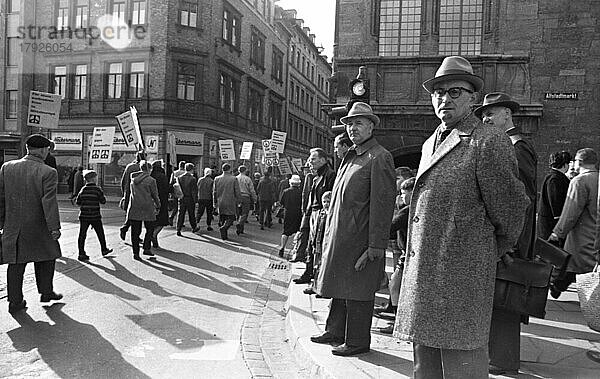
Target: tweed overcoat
(28, 211)
(226, 194)
(467, 209)
(578, 222)
(144, 202)
(360, 214)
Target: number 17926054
(49, 47)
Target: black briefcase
(550, 252)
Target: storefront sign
(227, 149)
(120, 145)
(284, 166)
(246, 150)
(102, 143)
(278, 141)
(189, 143)
(151, 144)
(44, 109)
(67, 141)
(561, 96)
(212, 151)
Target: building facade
(543, 53)
(200, 70)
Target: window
(118, 10)
(80, 85)
(460, 27)
(62, 14)
(291, 92)
(81, 14)
(186, 81)
(275, 113)
(277, 65)
(115, 77)
(11, 104)
(13, 6)
(136, 79)
(13, 52)
(231, 27)
(255, 105)
(60, 80)
(303, 64)
(229, 92)
(138, 12)
(188, 14)
(399, 27)
(257, 49)
(298, 60)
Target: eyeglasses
(453, 92)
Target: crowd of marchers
(472, 205)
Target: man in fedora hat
(356, 235)
(466, 212)
(30, 221)
(497, 110)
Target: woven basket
(588, 289)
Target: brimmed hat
(497, 99)
(361, 109)
(37, 141)
(295, 179)
(454, 68)
(89, 173)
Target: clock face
(358, 88)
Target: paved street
(195, 310)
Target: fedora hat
(454, 68)
(497, 99)
(361, 109)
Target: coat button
(416, 219)
(412, 253)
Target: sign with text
(266, 145)
(189, 143)
(297, 163)
(172, 148)
(44, 109)
(138, 128)
(127, 126)
(102, 142)
(561, 96)
(284, 166)
(227, 149)
(67, 141)
(278, 141)
(246, 150)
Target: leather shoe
(83, 258)
(179, 233)
(555, 293)
(48, 297)
(297, 259)
(496, 370)
(15, 307)
(148, 252)
(309, 291)
(386, 330)
(326, 338)
(346, 351)
(302, 280)
(122, 233)
(107, 251)
(137, 257)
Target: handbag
(550, 252)
(588, 289)
(522, 287)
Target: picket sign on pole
(138, 128)
(102, 144)
(227, 149)
(44, 109)
(278, 141)
(284, 166)
(127, 127)
(246, 150)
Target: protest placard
(284, 166)
(246, 150)
(278, 141)
(227, 149)
(44, 109)
(102, 144)
(127, 127)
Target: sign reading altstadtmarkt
(44, 109)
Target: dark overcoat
(28, 211)
(467, 209)
(552, 199)
(362, 205)
(226, 194)
(162, 185)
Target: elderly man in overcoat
(466, 212)
(356, 235)
(30, 221)
(226, 197)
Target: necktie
(442, 137)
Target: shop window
(80, 79)
(136, 79)
(114, 80)
(188, 13)
(11, 104)
(186, 81)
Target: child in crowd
(318, 242)
(89, 199)
(398, 240)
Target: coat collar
(365, 146)
(429, 157)
(35, 158)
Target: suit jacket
(467, 209)
(28, 211)
(189, 187)
(226, 194)
(552, 199)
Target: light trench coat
(467, 209)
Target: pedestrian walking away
(174, 175)
(125, 183)
(267, 195)
(291, 200)
(30, 222)
(248, 198)
(466, 212)
(205, 198)
(162, 185)
(187, 204)
(226, 195)
(553, 193)
(89, 199)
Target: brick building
(544, 53)
(202, 70)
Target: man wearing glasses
(466, 212)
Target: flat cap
(37, 140)
(89, 173)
